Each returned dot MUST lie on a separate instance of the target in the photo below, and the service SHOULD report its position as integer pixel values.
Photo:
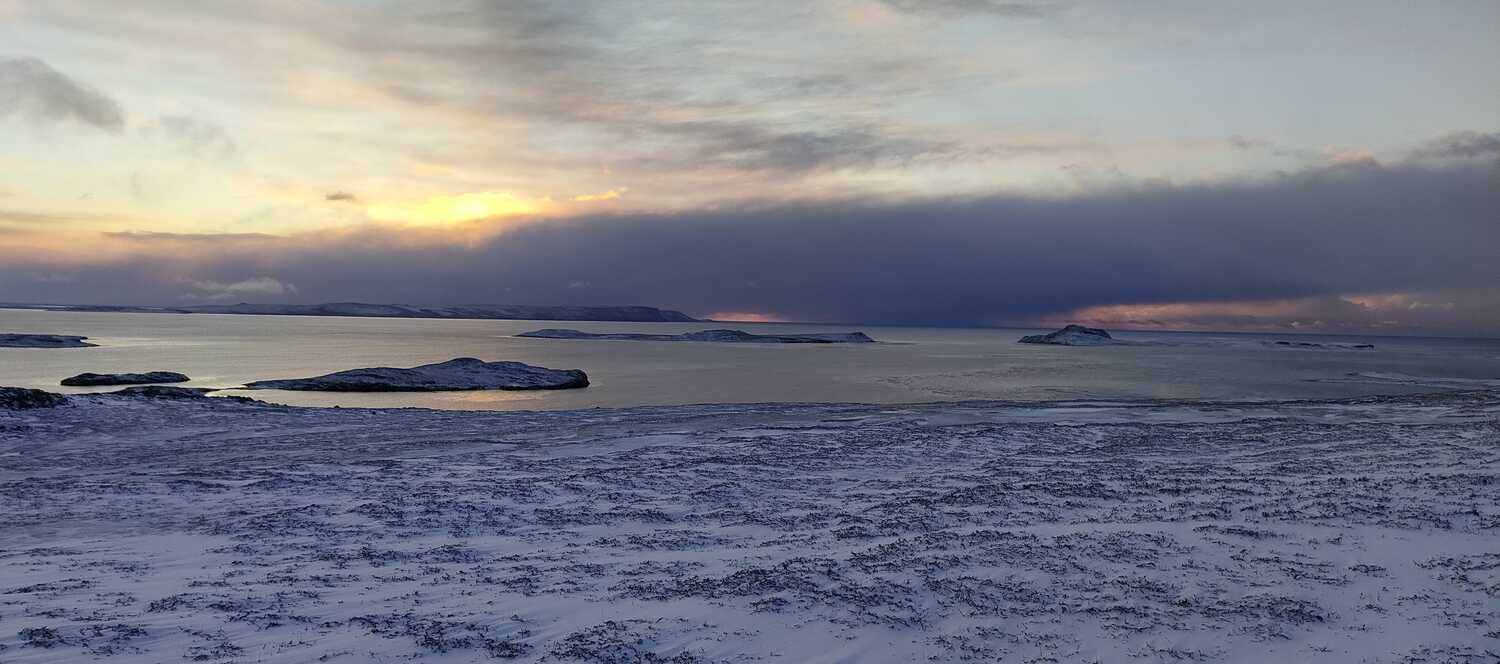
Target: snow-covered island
(43, 341)
(730, 336)
(146, 378)
(464, 373)
(203, 529)
(1073, 335)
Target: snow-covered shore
(1357, 531)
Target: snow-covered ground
(208, 530)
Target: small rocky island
(43, 341)
(732, 336)
(147, 378)
(1319, 345)
(464, 373)
(1073, 335)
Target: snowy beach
(1362, 530)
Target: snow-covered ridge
(1073, 335)
(43, 341)
(1347, 531)
(730, 336)
(464, 373)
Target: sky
(1161, 164)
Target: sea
(908, 365)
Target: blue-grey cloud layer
(1417, 226)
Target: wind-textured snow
(43, 341)
(205, 530)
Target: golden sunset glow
(442, 210)
(611, 195)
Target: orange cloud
(610, 195)
(746, 317)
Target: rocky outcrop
(732, 336)
(21, 398)
(163, 392)
(43, 341)
(147, 378)
(465, 373)
(1072, 335)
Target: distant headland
(636, 314)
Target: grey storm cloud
(34, 89)
(1323, 232)
(1463, 145)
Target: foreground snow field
(1358, 531)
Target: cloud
(1462, 145)
(440, 210)
(28, 218)
(161, 237)
(1458, 310)
(215, 290)
(32, 88)
(198, 138)
(340, 197)
(611, 195)
(1317, 235)
(962, 7)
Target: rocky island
(732, 336)
(147, 378)
(1314, 345)
(43, 341)
(464, 373)
(1073, 335)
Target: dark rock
(21, 398)
(163, 392)
(1324, 346)
(171, 393)
(43, 341)
(149, 377)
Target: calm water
(915, 364)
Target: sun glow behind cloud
(446, 210)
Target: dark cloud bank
(1420, 226)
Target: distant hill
(474, 311)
